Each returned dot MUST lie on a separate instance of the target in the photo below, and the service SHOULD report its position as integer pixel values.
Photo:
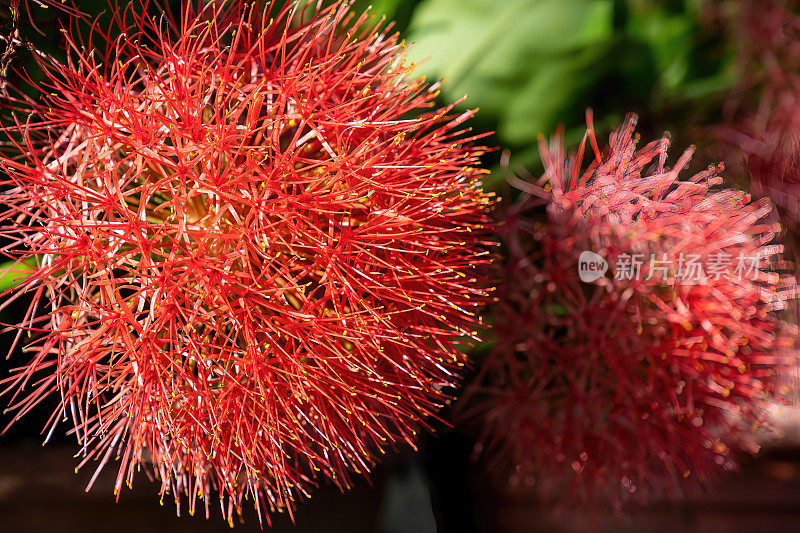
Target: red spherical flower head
(635, 324)
(256, 248)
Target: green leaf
(532, 65)
(527, 65)
(14, 272)
(380, 7)
(465, 37)
(397, 11)
(668, 36)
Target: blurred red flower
(256, 249)
(635, 380)
(761, 130)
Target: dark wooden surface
(39, 492)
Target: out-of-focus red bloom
(254, 263)
(762, 113)
(634, 383)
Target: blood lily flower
(636, 332)
(256, 248)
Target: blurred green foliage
(12, 273)
(524, 63)
(531, 65)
